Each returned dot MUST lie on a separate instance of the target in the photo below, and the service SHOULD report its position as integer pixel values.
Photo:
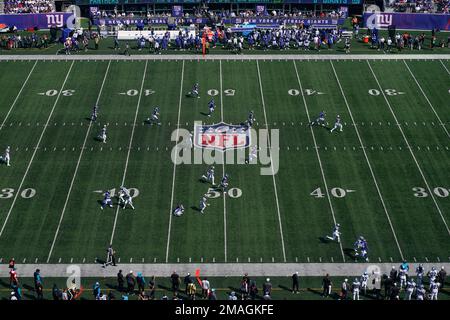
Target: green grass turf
(242, 229)
(310, 288)
(106, 46)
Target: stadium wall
(35, 20)
(407, 21)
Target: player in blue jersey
(106, 200)
(209, 176)
(224, 184)
(179, 210)
(250, 119)
(320, 120)
(154, 117)
(337, 124)
(211, 106)
(361, 248)
(94, 113)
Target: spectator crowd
(29, 6)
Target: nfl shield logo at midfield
(221, 136)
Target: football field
(386, 176)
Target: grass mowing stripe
(426, 98)
(318, 155)
(174, 165)
(368, 162)
(271, 162)
(36, 149)
(129, 149)
(76, 168)
(444, 67)
(18, 95)
(223, 166)
(409, 148)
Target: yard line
(18, 95)
(76, 168)
(36, 149)
(368, 162)
(174, 165)
(444, 67)
(271, 162)
(410, 149)
(426, 98)
(129, 148)
(223, 167)
(318, 155)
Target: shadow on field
(324, 240)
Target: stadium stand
(29, 6)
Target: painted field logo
(221, 136)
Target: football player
(209, 176)
(94, 113)
(434, 290)
(251, 119)
(410, 286)
(102, 135)
(203, 204)
(420, 272)
(6, 157)
(224, 184)
(179, 210)
(320, 120)
(106, 200)
(355, 288)
(420, 292)
(361, 245)
(125, 197)
(154, 117)
(336, 235)
(211, 106)
(253, 154)
(195, 91)
(337, 124)
(364, 279)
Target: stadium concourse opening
(335, 118)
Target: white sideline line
(426, 98)
(410, 149)
(18, 95)
(271, 163)
(445, 67)
(318, 155)
(223, 167)
(76, 168)
(174, 166)
(36, 149)
(129, 149)
(368, 163)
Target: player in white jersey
(102, 135)
(364, 280)
(125, 197)
(336, 235)
(6, 157)
(203, 204)
(154, 117)
(434, 290)
(432, 274)
(253, 155)
(179, 210)
(402, 277)
(356, 285)
(337, 124)
(209, 176)
(410, 286)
